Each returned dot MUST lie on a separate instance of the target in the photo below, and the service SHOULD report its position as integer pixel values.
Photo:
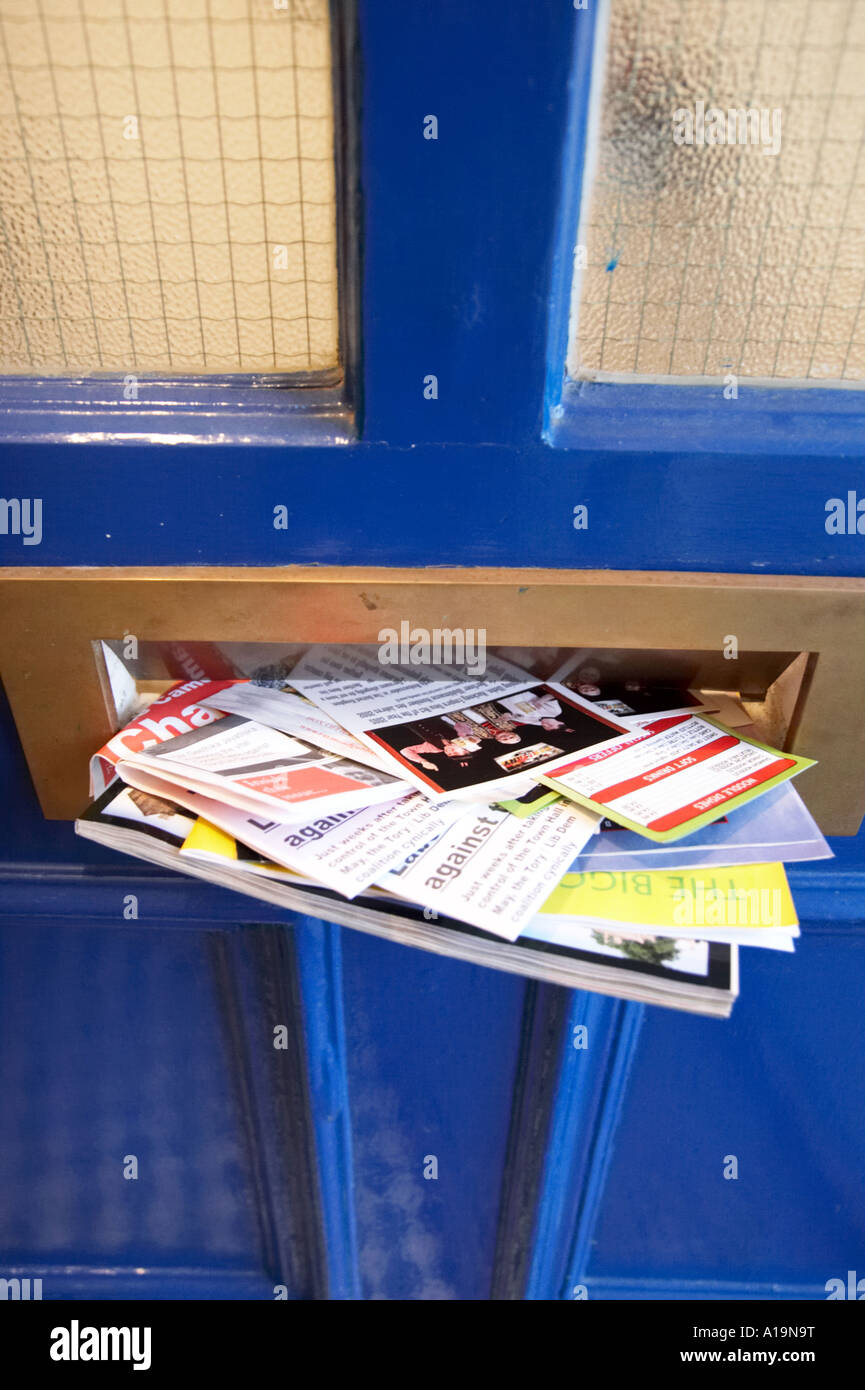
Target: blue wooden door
(154, 1142)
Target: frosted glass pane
(742, 252)
(167, 192)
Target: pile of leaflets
(625, 842)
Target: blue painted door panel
(112, 1047)
(780, 1088)
(432, 1055)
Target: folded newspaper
(518, 823)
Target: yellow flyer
(755, 895)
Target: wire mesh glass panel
(723, 219)
(167, 187)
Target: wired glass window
(167, 187)
(723, 219)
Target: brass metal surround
(49, 618)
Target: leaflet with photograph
(344, 850)
(670, 953)
(470, 738)
(674, 776)
(259, 769)
(575, 932)
(701, 982)
(156, 816)
(493, 870)
(636, 702)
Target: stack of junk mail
(610, 837)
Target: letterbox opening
(82, 650)
(761, 689)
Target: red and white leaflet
(674, 776)
(178, 711)
(343, 850)
(259, 769)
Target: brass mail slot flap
(51, 618)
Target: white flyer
(344, 850)
(280, 707)
(491, 869)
